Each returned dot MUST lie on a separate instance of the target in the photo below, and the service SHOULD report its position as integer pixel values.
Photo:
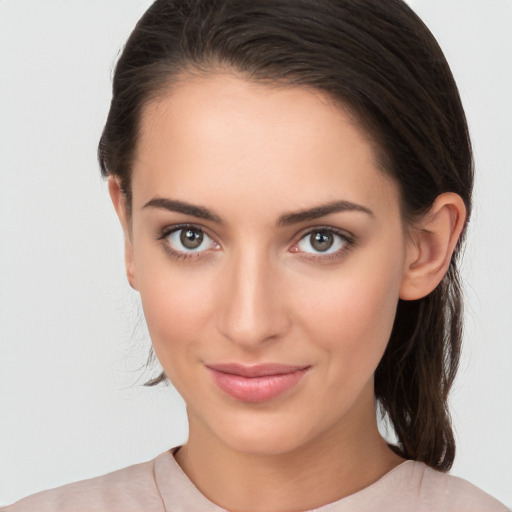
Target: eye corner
(175, 245)
(342, 242)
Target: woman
(293, 180)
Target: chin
(264, 446)
(266, 435)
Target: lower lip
(256, 389)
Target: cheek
(351, 315)
(177, 306)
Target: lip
(256, 383)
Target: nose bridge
(251, 312)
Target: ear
(433, 240)
(119, 202)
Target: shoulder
(132, 489)
(437, 491)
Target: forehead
(220, 138)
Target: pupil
(191, 238)
(322, 241)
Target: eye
(323, 241)
(185, 240)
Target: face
(269, 253)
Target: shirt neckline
(177, 490)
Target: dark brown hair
(380, 61)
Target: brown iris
(322, 240)
(191, 238)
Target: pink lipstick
(258, 383)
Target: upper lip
(257, 370)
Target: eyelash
(348, 240)
(177, 255)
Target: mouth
(256, 383)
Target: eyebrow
(320, 211)
(284, 220)
(182, 207)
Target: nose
(252, 308)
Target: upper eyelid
(177, 253)
(164, 232)
(171, 228)
(313, 229)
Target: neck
(340, 462)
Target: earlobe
(119, 202)
(433, 240)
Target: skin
(258, 292)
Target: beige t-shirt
(161, 486)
